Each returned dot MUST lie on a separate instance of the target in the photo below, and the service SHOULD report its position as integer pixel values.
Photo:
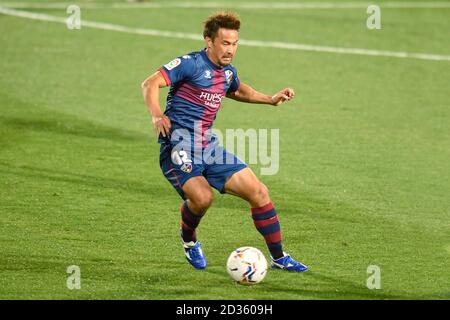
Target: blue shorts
(178, 166)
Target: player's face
(224, 46)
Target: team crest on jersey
(186, 167)
(228, 75)
(208, 74)
(173, 64)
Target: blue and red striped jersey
(197, 88)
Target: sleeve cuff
(234, 88)
(165, 75)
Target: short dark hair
(226, 20)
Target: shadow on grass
(101, 278)
(311, 207)
(79, 179)
(24, 116)
(64, 125)
(328, 287)
(341, 289)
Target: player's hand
(162, 125)
(282, 96)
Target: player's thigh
(198, 190)
(245, 184)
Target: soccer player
(198, 83)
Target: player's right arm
(150, 90)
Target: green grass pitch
(364, 173)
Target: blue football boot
(289, 264)
(194, 254)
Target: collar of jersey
(209, 61)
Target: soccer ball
(247, 265)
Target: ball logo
(173, 64)
(247, 265)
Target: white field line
(250, 43)
(242, 5)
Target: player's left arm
(245, 93)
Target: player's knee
(264, 193)
(203, 199)
(261, 195)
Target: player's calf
(192, 248)
(265, 219)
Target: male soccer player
(190, 157)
